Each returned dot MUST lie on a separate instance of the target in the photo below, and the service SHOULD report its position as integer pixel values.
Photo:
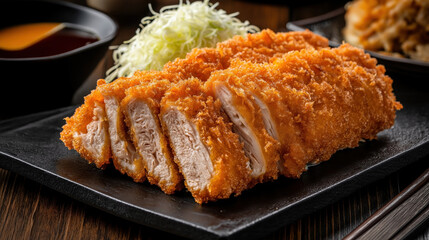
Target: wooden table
(29, 210)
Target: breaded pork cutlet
(125, 157)
(248, 118)
(141, 108)
(257, 48)
(315, 102)
(209, 155)
(261, 47)
(87, 130)
(200, 63)
(108, 112)
(349, 99)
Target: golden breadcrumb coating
(260, 47)
(200, 63)
(78, 124)
(116, 90)
(320, 100)
(231, 171)
(151, 93)
(257, 47)
(125, 158)
(244, 103)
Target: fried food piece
(141, 107)
(317, 101)
(341, 97)
(121, 149)
(125, 158)
(261, 47)
(249, 123)
(257, 47)
(208, 153)
(393, 27)
(87, 130)
(200, 63)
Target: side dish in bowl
(47, 50)
(395, 27)
(332, 25)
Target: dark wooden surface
(29, 210)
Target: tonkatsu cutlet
(113, 140)
(125, 157)
(207, 152)
(87, 130)
(200, 63)
(224, 119)
(315, 102)
(257, 47)
(141, 108)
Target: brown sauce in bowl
(63, 40)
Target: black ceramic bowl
(34, 84)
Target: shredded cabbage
(172, 33)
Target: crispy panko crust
(320, 100)
(77, 124)
(261, 47)
(200, 63)
(117, 89)
(151, 92)
(231, 172)
(244, 103)
(257, 47)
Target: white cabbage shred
(172, 33)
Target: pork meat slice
(87, 130)
(249, 123)
(209, 155)
(320, 101)
(141, 109)
(125, 157)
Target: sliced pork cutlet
(87, 130)
(247, 113)
(319, 101)
(200, 63)
(337, 96)
(252, 104)
(141, 108)
(209, 155)
(124, 154)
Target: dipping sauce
(42, 39)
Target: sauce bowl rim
(107, 38)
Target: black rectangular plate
(30, 146)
